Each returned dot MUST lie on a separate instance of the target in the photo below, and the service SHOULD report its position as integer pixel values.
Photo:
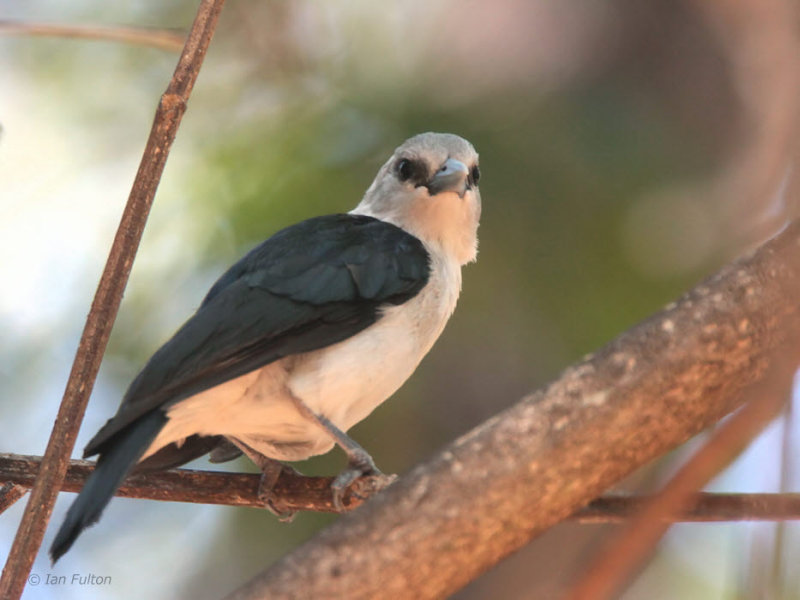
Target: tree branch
(163, 39)
(313, 493)
(106, 304)
(295, 492)
(536, 463)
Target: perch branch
(296, 492)
(106, 303)
(531, 466)
(314, 493)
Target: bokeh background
(628, 149)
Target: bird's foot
(270, 473)
(361, 477)
(271, 470)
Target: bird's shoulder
(333, 258)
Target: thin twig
(106, 304)
(314, 494)
(625, 552)
(163, 39)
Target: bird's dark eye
(405, 169)
(475, 175)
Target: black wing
(308, 286)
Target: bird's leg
(359, 462)
(270, 471)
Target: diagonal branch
(106, 304)
(536, 463)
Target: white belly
(344, 382)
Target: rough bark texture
(533, 465)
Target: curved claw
(267, 495)
(360, 465)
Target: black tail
(116, 460)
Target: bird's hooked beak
(452, 176)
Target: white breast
(346, 381)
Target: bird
(304, 336)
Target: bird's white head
(429, 187)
